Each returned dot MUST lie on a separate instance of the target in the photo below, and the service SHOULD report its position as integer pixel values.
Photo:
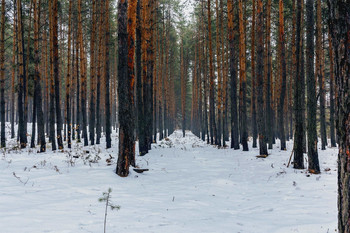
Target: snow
(190, 187)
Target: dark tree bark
(139, 87)
(2, 74)
(56, 72)
(131, 29)
(82, 75)
(22, 74)
(253, 94)
(13, 98)
(68, 79)
(183, 90)
(283, 78)
(314, 166)
(125, 86)
(320, 74)
(331, 93)
(340, 30)
(52, 82)
(78, 110)
(268, 80)
(106, 67)
(93, 62)
(211, 82)
(260, 80)
(243, 79)
(298, 94)
(233, 73)
(99, 74)
(37, 110)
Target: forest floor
(190, 187)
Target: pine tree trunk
(106, 68)
(183, 89)
(340, 32)
(2, 74)
(298, 94)
(253, 94)
(92, 76)
(37, 110)
(99, 75)
(283, 78)
(13, 72)
(22, 75)
(260, 80)
(331, 92)
(243, 79)
(268, 78)
(131, 28)
(233, 74)
(56, 73)
(211, 82)
(68, 79)
(125, 85)
(139, 87)
(319, 72)
(314, 166)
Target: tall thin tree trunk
(2, 74)
(22, 75)
(13, 73)
(339, 25)
(56, 73)
(129, 142)
(183, 89)
(331, 92)
(106, 68)
(283, 76)
(82, 74)
(68, 78)
(99, 74)
(211, 82)
(268, 79)
(298, 93)
(260, 80)
(125, 85)
(242, 78)
(92, 75)
(233, 74)
(253, 95)
(314, 166)
(320, 74)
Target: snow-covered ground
(190, 187)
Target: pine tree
(107, 78)
(55, 62)
(260, 79)
(211, 82)
(339, 25)
(298, 93)
(253, 94)
(331, 92)
(242, 79)
(68, 78)
(126, 40)
(22, 74)
(283, 76)
(233, 75)
(314, 166)
(2, 74)
(38, 111)
(183, 90)
(320, 74)
(93, 62)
